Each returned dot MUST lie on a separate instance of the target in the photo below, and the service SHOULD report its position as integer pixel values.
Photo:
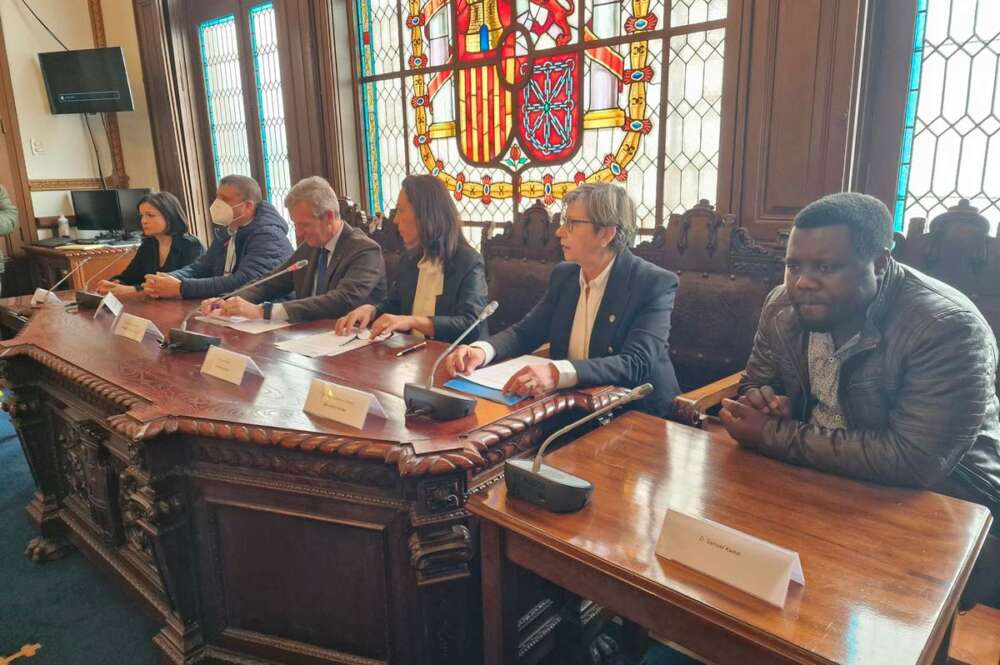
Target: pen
(415, 347)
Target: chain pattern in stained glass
(951, 136)
(693, 119)
(224, 91)
(590, 112)
(270, 103)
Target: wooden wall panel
(798, 108)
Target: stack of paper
(323, 344)
(488, 382)
(243, 324)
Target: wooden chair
(518, 263)
(386, 234)
(725, 276)
(352, 213)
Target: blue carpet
(77, 614)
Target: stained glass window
(508, 101)
(270, 103)
(951, 139)
(220, 57)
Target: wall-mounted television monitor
(86, 81)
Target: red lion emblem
(558, 14)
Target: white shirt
(430, 284)
(231, 251)
(278, 312)
(591, 296)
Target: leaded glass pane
(951, 139)
(378, 35)
(224, 91)
(274, 138)
(693, 119)
(686, 12)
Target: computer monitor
(112, 211)
(96, 210)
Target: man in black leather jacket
(867, 368)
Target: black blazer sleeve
(644, 343)
(533, 330)
(468, 300)
(406, 270)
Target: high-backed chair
(725, 277)
(518, 263)
(958, 249)
(352, 213)
(386, 234)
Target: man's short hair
(608, 205)
(318, 193)
(247, 187)
(867, 220)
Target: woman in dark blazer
(441, 283)
(605, 315)
(166, 245)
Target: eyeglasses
(569, 223)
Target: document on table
(243, 324)
(497, 376)
(323, 344)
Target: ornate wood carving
(441, 555)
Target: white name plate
(750, 564)
(110, 302)
(135, 327)
(44, 296)
(341, 404)
(228, 365)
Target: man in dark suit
(345, 265)
(606, 313)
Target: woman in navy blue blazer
(605, 314)
(441, 284)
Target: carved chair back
(518, 263)
(386, 234)
(958, 249)
(725, 277)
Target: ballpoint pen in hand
(415, 347)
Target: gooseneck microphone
(35, 302)
(182, 339)
(426, 400)
(547, 486)
(87, 299)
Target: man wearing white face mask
(251, 239)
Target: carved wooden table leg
(41, 549)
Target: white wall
(58, 146)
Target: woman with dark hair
(441, 283)
(166, 245)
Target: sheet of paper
(341, 404)
(750, 564)
(44, 296)
(497, 376)
(228, 365)
(323, 344)
(243, 324)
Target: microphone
(87, 299)
(426, 400)
(547, 486)
(182, 339)
(35, 301)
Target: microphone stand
(547, 486)
(182, 339)
(87, 299)
(426, 400)
(65, 277)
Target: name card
(44, 296)
(228, 365)
(135, 328)
(750, 564)
(110, 302)
(342, 404)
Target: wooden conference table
(884, 568)
(252, 530)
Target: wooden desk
(252, 530)
(884, 567)
(49, 265)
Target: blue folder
(492, 394)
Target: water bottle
(63, 226)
